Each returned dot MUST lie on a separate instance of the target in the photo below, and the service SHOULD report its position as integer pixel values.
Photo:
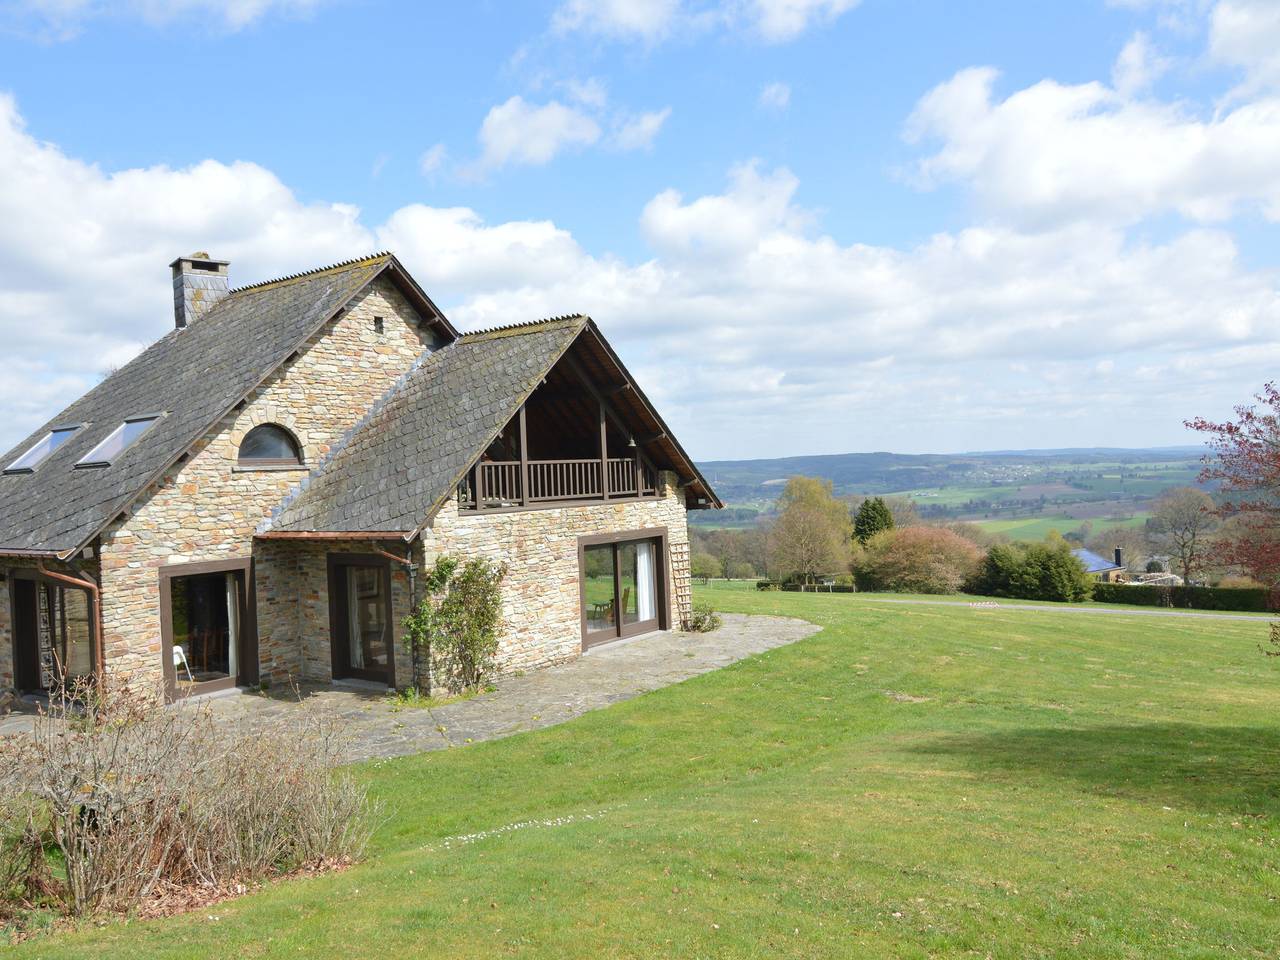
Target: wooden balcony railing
(499, 484)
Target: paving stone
(540, 698)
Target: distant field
(1037, 528)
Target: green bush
(703, 619)
(768, 585)
(1247, 599)
(455, 628)
(819, 588)
(1036, 571)
(917, 559)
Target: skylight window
(40, 450)
(119, 440)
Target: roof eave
(424, 304)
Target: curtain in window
(233, 624)
(355, 635)
(646, 583)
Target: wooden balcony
(504, 485)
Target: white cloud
(590, 92)
(775, 96)
(1246, 34)
(519, 132)
(64, 18)
(82, 278)
(780, 20)
(755, 332)
(1138, 67)
(1054, 153)
(638, 133)
(433, 160)
(643, 19)
(650, 21)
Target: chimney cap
(199, 257)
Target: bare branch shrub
(138, 796)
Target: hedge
(818, 588)
(1248, 599)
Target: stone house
(254, 497)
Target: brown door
(622, 589)
(360, 618)
(26, 637)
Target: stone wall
(309, 582)
(206, 509)
(541, 601)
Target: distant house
(1100, 567)
(255, 496)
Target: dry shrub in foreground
(139, 797)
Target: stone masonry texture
(206, 509)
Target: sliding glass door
(209, 638)
(622, 587)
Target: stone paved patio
(540, 698)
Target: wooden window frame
(247, 656)
(333, 563)
(663, 600)
(247, 465)
(31, 575)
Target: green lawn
(911, 782)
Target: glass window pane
(50, 442)
(268, 442)
(77, 656)
(597, 588)
(367, 607)
(117, 442)
(204, 613)
(639, 581)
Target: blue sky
(809, 225)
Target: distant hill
(758, 482)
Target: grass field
(1037, 528)
(911, 782)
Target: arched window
(270, 445)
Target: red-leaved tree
(1244, 460)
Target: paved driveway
(540, 698)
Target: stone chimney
(198, 283)
(1119, 557)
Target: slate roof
(194, 377)
(1092, 562)
(398, 466)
